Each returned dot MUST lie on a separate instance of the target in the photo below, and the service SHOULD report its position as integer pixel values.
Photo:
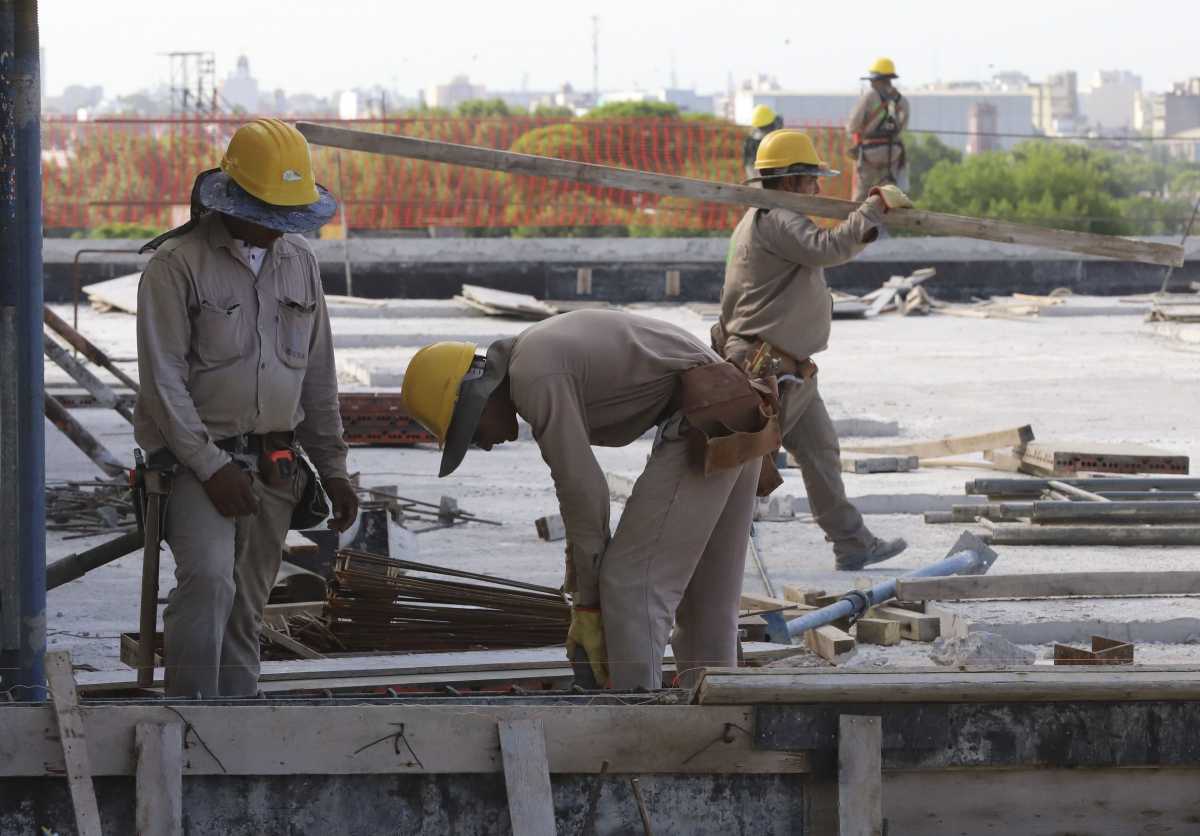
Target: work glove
(231, 491)
(587, 632)
(344, 501)
(891, 197)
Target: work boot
(879, 551)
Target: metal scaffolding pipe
(75, 566)
(969, 556)
(22, 439)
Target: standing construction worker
(875, 127)
(604, 378)
(763, 120)
(237, 375)
(776, 312)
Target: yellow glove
(892, 197)
(587, 631)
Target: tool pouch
(718, 337)
(277, 464)
(731, 420)
(313, 507)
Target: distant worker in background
(763, 120)
(875, 127)
(776, 312)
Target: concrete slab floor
(1093, 378)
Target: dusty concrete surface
(1100, 378)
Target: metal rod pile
(1084, 511)
(89, 508)
(381, 604)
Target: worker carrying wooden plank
(235, 359)
(600, 377)
(875, 126)
(776, 313)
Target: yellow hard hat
(762, 116)
(791, 150)
(432, 382)
(882, 68)
(269, 159)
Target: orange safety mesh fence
(141, 171)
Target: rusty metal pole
(86, 347)
(22, 439)
(88, 444)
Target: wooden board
(914, 626)
(1049, 585)
(928, 223)
(1093, 535)
(731, 687)
(74, 743)
(527, 776)
(830, 643)
(365, 739)
(159, 754)
(877, 631)
(860, 776)
(951, 446)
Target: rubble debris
(776, 508)
(86, 509)
(979, 649)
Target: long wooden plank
(74, 742)
(527, 777)
(393, 739)
(1048, 585)
(952, 446)
(929, 223)
(1094, 535)
(159, 749)
(860, 776)
(727, 687)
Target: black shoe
(879, 551)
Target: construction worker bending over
(776, 312)
(236, 365)
(763, 120)
(604, 378)
(875, 127)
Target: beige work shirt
(595, 377)
(775, 278)
(222, 352)
(866, 118)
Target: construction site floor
(1102, 376)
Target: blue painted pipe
(21, 671)
(855, 604)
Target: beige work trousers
(224, 570)
(678, 554)
(867, 177)
(809, 435)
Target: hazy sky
(330, 45)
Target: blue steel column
(22, 440)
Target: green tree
(634, 110)
(483, 108)
(924, 152)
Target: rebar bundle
(381, 604)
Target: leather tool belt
(731, 420)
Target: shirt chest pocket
(294, 333)
(219, 334)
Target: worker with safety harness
(875, 127)
(763, 120)
(776, 313)
(238, 394)
(597, 377)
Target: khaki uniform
(605, 378)
(222, 353)
(880, 158)
(775, 291)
